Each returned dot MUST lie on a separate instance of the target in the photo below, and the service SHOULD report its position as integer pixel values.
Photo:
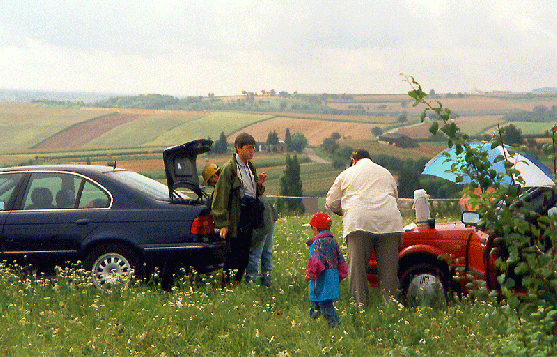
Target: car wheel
(112, 266)
(424, 284)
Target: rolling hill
(34, 126)
(51, 132)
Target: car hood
(180, 165)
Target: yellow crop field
(370, 119)
(314, 130)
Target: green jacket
(226, 197)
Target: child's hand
(306, 278)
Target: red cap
(321, 220)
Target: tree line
(250, 101)
(292, 143)
(408, 171)
(540, 114)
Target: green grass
(477, 127)
(317, 179)
(26, 124)
(532, 128)
(143, 131)
(69, 317)
(264, 161)
(210, 125)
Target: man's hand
(223, 232)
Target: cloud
(185, 47)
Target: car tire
(113, 265)
(424, 284)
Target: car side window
(40, 190)
(93, 196)
(59, 190)
(8, 183)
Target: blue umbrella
(533, 172)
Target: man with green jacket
(235, 208)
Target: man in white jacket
(366, 196)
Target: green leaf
(521, 268)
(446, 114)
(434, 128)
(513, 302)
(499, 158)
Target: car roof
(98, 173)
(88, 169)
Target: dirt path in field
(313, 156)
(80, 134)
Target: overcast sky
(186, 47)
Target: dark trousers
(326, 308)
(238, 250)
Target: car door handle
(83, 221)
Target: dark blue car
(113, 220)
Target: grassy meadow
(69, 317)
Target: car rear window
(142, 183)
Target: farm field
(355, 118)
(135, 138)
(209, 126)
(491, 103)
(472, 125)
(32, 126)
(69, 317)
(142, 130)
(49, 129)
(533, 128)
(314, 130)
(26, 125)
(424, 150)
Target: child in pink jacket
(326, 269)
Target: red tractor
(430, 255)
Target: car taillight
(203, 225)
